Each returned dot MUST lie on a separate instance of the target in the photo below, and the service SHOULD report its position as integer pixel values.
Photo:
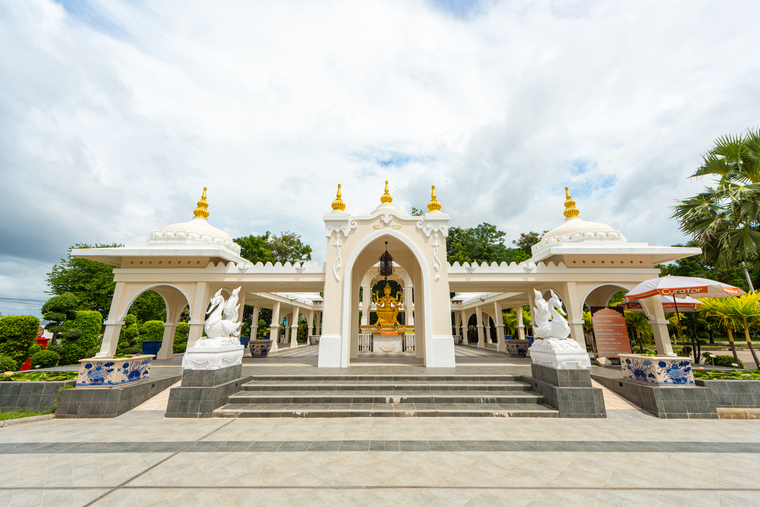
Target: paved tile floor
(143, 459)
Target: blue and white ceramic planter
(314, 339)
(107, 371)
(661, 371)
(518, 348)
(458, 339)
(260, 348)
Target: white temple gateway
(188, 263)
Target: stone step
(314, 410)
(379, 396)
(384, 385)
(394, 378)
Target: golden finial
(570, 209)
(434, 205)
(386, 197)
(202, 210)
(338, 204)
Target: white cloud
(115, 115)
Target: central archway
(367, 253)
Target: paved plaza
(142, 458)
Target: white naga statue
(220, 331)
(552, 347)
(221, 346)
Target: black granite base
(211, 378)
(200, 402)
(733, 393)
(568, 391)
(30, 396)
(670, 402)
(107, 402)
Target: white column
(167, 343)
(310, 325)
(409, 304)
(255, 322)
(479, 318)
(198, 315)
(574, 307)
(659, 323)
(499, 321)
(113, 326)
(463, 326)
(294, 329)
(520, 323)
(274, 326)
(366, 303)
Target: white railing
(409, 342)
(365, 343)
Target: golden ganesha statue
(387, 306)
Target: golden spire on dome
(386, 197)
(202, 210)
(434, 205)
(338, 204)
(570, 210)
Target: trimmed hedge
(152, 330)
(45, 359)
(7, 364)
(88, 323)
(180, 337)
(16, 335)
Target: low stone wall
(733, 393)
(671, 402)
(31, 396)
(203, 391)
(568, 391)
(107, 402)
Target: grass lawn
(18, 414)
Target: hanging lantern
(386, 264)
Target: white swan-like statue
(221, 347)
(551, 346)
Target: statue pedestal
(212, 358)
(563, 354)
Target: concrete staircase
(386, 396)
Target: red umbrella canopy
(685, 304)
(682, 286)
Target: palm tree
(725, 219)
(745, 312)
(718, 309)
(640, 324)
(509, 318)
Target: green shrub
(61, 352)
(45, 359)
(16, 335)
(725, 361)
(7, 364)
(137, 349)
(179, 348)
(87, 324)
(152, 330)
(34, 349)
(183, 330)
(129, 332)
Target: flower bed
(40, 376)
(727, 374)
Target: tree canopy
(268, 247)
(724, 218)
(484, 243)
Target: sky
(114, 115)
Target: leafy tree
(90, 281)
(717, 309)
(527, 240)
(149, 306)
(129, 333)
(16, 335)
(255, 248)
(724, 219)
(58, 310)
(288, 247)
(639, 323)
(81, 334)
(484, 243)
(417, 212)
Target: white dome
(576, 224)
(200, 226)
